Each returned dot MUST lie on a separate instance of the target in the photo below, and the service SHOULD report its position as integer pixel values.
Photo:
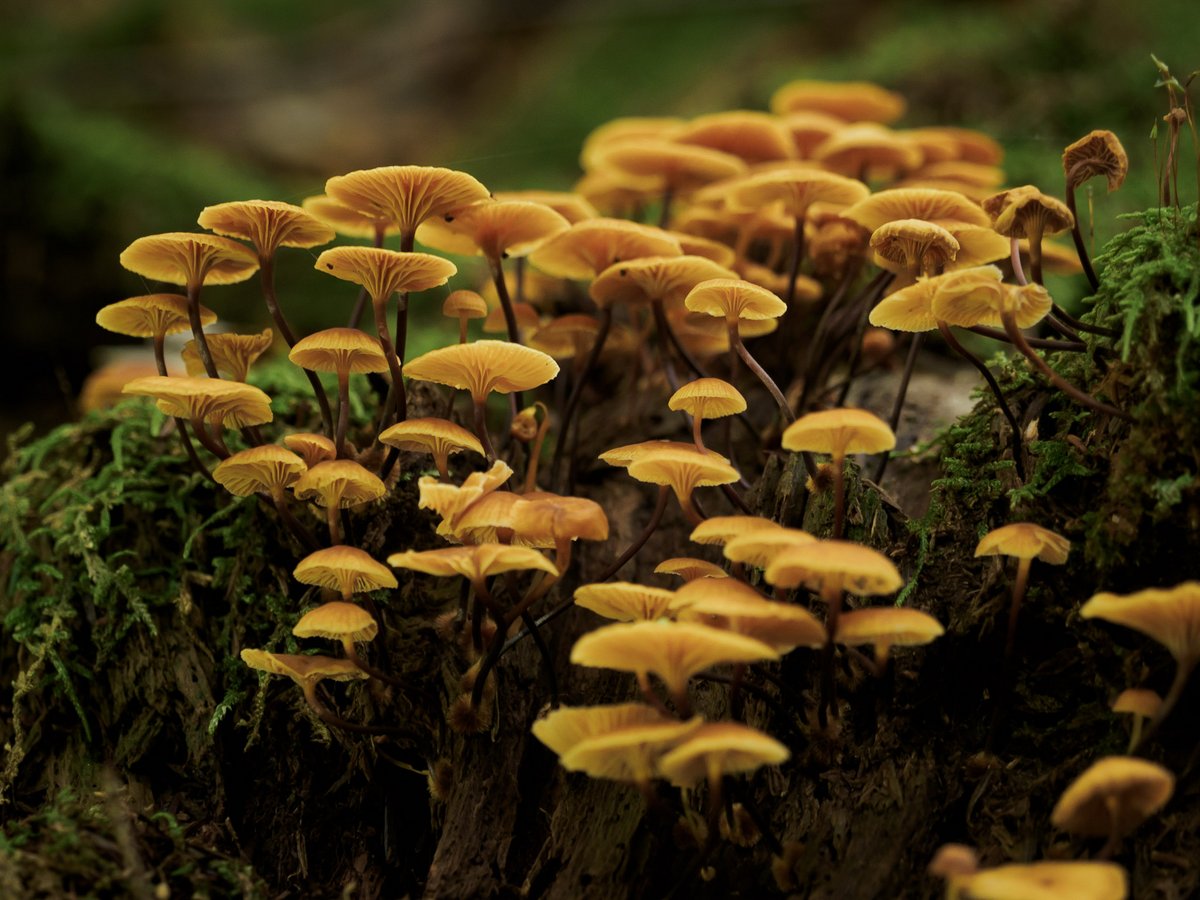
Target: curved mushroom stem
(690, 511)
(481, 430)
(697, 437)
(1068, 319)
(1018, 449)
(651, 695)
(352, 655)
(1042, 344)
(1034, 235)
(343, 417)
(206, 439)
(180, 424)
(1014, 256)
(831, 593)
(333, 719)
(564, 425)
(1020, 583)
(1114, 833)
(535, 451)
(293, 524)
(1081, 397)
(666, 332)
(898, 406)
(1183, 672)
(193, 302)
(1076, 235)
(736, 499)
(664, 214)
(396, 393)
(360, 302)
(735, 341)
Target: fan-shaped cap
(624, 601)
(227, 403)
(1138, 701)
(384, 272)
(674, 651)
(564, 727)
(1046, 880)
(304, 670)
(267, 224)
(867, 147)
(588, 247)
(339, 350)
(267, 468)
(345, 220)
(313, 448)
(232, 354)
(681, 167)
(473, 563)
(708, 398)
(850, 101)
(482, 367)
(908, 309)
(627, 754)
(150, 315)
(683, 470)
(627, 128)
(797, 188)
(838, 432)
(493, 228)
(977, 297)
(722, 529)
(750, 135)
(716, 749)
(1170, 616)
(809, 128)
(338, 621)
(1097, 153)
(554, 518)
(733, 298)
(1113, 796)
(571, 206)
(567, 336)
(344, 569)
(626, 454)
(913, 245)
(689, 568)
(489, 520)
(339, 482)
(886, 627)
(759, 547)
(655, 278)
(1025, 211)
(1024, 540)
(405, 195)
(841, 564)
(732, 605)
(440, 437)
(695, 245)
(184, 258)
(449, 500)
(973, 146)
(465, 304)
(914, 203)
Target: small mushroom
(439, 437)
(335, 485)
(1142, 704)
(233, 354)
(1026, 542)
(1112, 797)
(464, 306)
(347, 623)
(706, 398)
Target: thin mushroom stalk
(1183, 672)
(180, 424)
(326, 715)
(564, 427)
(832, 595)
(735, 342)
(898, 406)
(193, 302)
(360, 302)
(343, 416)
(1085, 260)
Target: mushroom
(347, 623)
(850, 101)
(464, 306)
(750, 135)
(737, 607)
(1113, 797)
(269, 469)
(313, 448)
(439, 437)
(1026, 542)
(624, 601)
(337, 484)
(1045, 880)
(205, 401)
(344, 569)
(868, 150)
(885, 627)
(689, 569)
(707, 398)
(1142, 704)
(1096, 153)
(233, 354)
(683, 471)
(1025, 212)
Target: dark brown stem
(395, 367)
(206, 440)
(1018, 594)
(343, 377)
(333, 518)
(839, 495)
(333, 719)
(1183, 672)
(481, 429)
(735, 341)
(736, 499)
(667, 335)
(832, 595)
(664, 215)
(193, 300)
(1077, 236)
(352, 655)
(797, 256)
(898, 406)
(266, 279)
(1042, 344)
(564, 424)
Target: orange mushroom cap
(313, 448)
(226, 403)
(1097, 153)
(1114, 795)
(344, 569)
(1170, 616)
(838, 432)
(339, 482)
(232, 354)
(708, 398)
(750, 135)
(404, 195)
(493, 228)
(385, 272)
(851, 101)
(268, 468)
(184, 258)
(482, 367)
(588, 247)
(339, 350)
(624, 601)
(716, 749)
(1024, 540)
(267, 224)
(914, 203)
(150, 315)
(665, 279)
(838, 564)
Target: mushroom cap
(839, 432)
(345, 569)
(1170, 616)
(910, 308)
(450, 500)
(313, 448)
(103, 387)
(493, 228)
(750, 135)
(627, 754)
(720, 748)
(734, 298)
(689, 568)
(553, 518)
(1024, 540)
(485, 520)
(384, 272)
(1045, 880)
(337, 621)
(911, 244)
(842, 564)
(179, 257)
(571, 206)
(465, 304)
(150, 315)
(674, 651)
(971, 173)
(430, 435)
(914, 203)
(1018, 211)
(591, 246)
(212, 400)
(973, 146)
(887, 626)
(562, 728)
(526, 315)
(625, 601)
(232, 354)
(267, 224)
(566, 337)
(666, 279)
(696, 245)
(683, 470)
(968, 297)
(1115, 794)
(1098, 152)
(977, 245)
(732, 605)
(722, 529)
(613, 192)
(708, 398)
(482, 367)
(809, 127)
(474, 562)
(345, 220)
(869, 147)
(404, 195)
(1138, 701)
(622, 456)
(681, 167)
(269, 468)
(626, 128)
(797, 189)
(303, 670)
(758, 548)
(339, 350)
(850, 101)
(339, 482)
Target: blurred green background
(120, 118)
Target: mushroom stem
(664, 214)
(481, 430)
(831, 593)
(333, 519)
(735, 341)
(395, 367)
(535, 451)
(180, 424)
(909, 364)
(1073, 322)
(1076, 235)
(736, 499)
(1183, 672)
(1017, 446)
(1020, 583)
(333, 719)
(839, 495)
(1041, 343)
(360, 302)
(665, 331)
(1085, 399)
(193, 302)
(697, 437)
(797, 255)
(352, 655)
(690, 511)
(1014, 256)
(1034, 235)
(564, 425)
(462, 329)
(343, 379)
(293, 524)
(207, 441)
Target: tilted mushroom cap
(591, 246)
(968, 297)
(674, 651)
(227, 403)
(1024, 540)
(721, 748)
(866, 146)
(527, 317)
(683, 469)
(758, 548)
(267, 224)
(1139, 701)
(628, 453)
(886, 627)
(973, 146)
(339, 482)
(750, 135)
(627, 128)
(912, 244)
(732, 605)
(624, 601)
(405, 195)
(450, 500)
(150, 314)
(1022, 211)
(304, 670)
(567, 336)
(232, 354)
(467, 304)
(1097, 153)
(345, 220)
(313, 448)
(851, 567)
(564, 727)
(473, 563)
(689, 569)
(809, 128)
(935, 146)
(910, 308)
(1170, 616)
(722, 529)
(430, 435)
(571, 206)
(914, 203)
(695, 245)
(851, 101)
(488, 521)
(554, 518)
(682, 168)
(708, 398)
(654, 278)
(838, 432)
(493, 228)
(267, 468)
(797, 188)
(384, 272)
(1046, 880)
(337, 621)
(1114, 795)
(627, 754)
(339, 350)
(183, 258)
(344, 569)
(482, 367)
(733, 298)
